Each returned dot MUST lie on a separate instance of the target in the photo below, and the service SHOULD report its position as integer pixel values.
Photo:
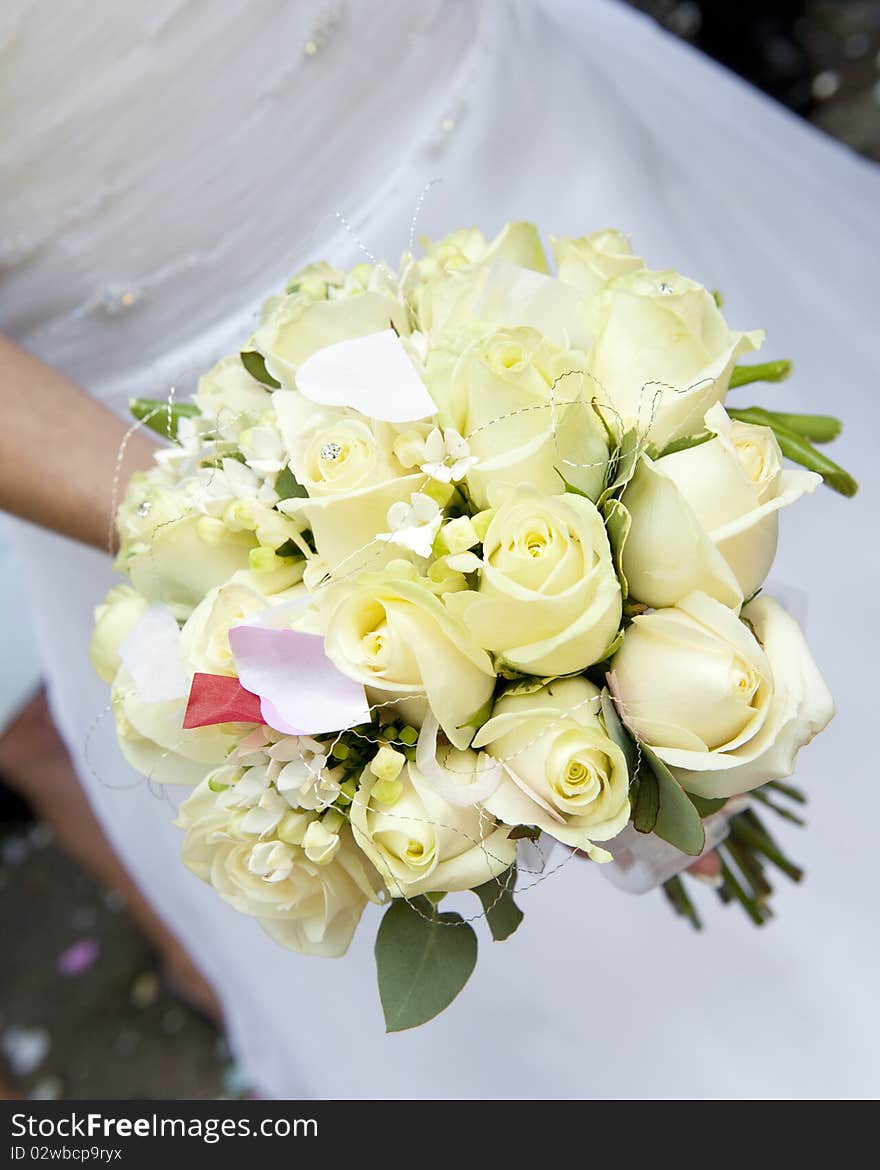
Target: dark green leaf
(646, 806)
(706, 805)
(524, 832)
(617, 732)
(255, 364)
(288, 486)
(678, 822)
(760, 372)
(800, 450)
(502, 913)
(290, 549)
(159, 416)
(423, 961)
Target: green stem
(818, 428)
(678, 897)
(785, 813)
(751, 869)
(787, 790)
(760, 372)
(732, 885)
(748, 828)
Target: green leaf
(288, 486)
(646, 806)
(678, 822)
(159, 416)
(760, 372)
(255, 364)
(480, 716)
(618, 522)
(502, 913)
(616, 731)
(622, 464)
(683, 444)
(706, 805)
(800, 450)
(290, 549)
(524, 832)
(423, 960)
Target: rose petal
(302, 692)
(371, 374)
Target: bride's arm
(59, 448)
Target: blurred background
(87, 1009)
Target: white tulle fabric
(191, 156)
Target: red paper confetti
(217, 698)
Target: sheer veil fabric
(192, 156)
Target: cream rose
(707, 518)
(204, 638)
(446, 286)
(390, 632)
(590, 262)
(334, 450)
(311, 906)
(549, 600)
(299, 327)
(154, 741)
(663, 353)
(170, 552)
(231, 397)
(726, 704)
(561, 770)
(115, 618)
(525, 409)
(421, 844)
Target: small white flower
(304, 783)
(263, 449)
(414, 525)
(214, 488)
(448, 457)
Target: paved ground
(82, 1012)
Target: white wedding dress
(169, 163)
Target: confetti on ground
(25, 1049)
(78, 957)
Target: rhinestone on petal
(330, 452)
(665, 289)
(143, 508)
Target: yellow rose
(662, 351)
(300, 327)
(421, 844)
(549, 601)
(524, 407)
(561, 770)
(726, 704)
(390, 632)
(707, 518)
(590, 262)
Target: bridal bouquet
(454, 561)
